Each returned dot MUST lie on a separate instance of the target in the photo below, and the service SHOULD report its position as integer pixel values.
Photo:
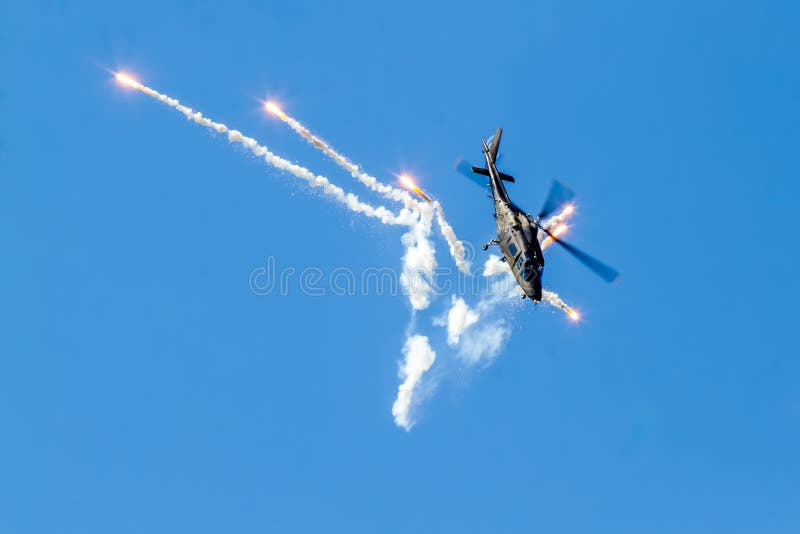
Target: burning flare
(560, 229)
(555, 300)
(408, 183)
(127, 80)
(273, 108)
(556, 225)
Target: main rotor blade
(558, 196)
(464, 168)
(602, 270)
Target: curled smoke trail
(419, 263)
(418, 358)
(456, 246)
(351, 201)
(419, 260)
(388, 191)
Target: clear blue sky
(145, 388)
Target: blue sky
(145, 388)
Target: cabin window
(512, 249)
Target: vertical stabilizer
(494, 144)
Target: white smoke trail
(419, 264)
(418, 358)
(555, 300)
(388, 191)
(419, 260)
(350, 200)
(456, 246)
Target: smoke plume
(419, 260)
(459, 318)
(418, 358)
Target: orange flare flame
(408, 183)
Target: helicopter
(518, 233)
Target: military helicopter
(518, 233)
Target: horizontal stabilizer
(502, 175)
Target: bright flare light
(573, 315)
(560, 229)
(127, 80)
(273, 108)
(568, 210)
(409, 184)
